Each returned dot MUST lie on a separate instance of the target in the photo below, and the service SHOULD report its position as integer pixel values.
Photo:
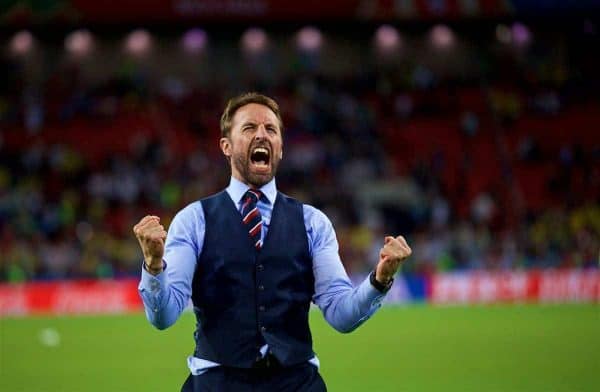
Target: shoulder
(319, 230)
(291, 204)
(191, 208)
(212, 203)
(189, 215)
(313, 214)
(212, 198)
(187, 227)
(315, 220)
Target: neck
(243, 180)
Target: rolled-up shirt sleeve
(167, 294)
(344, 306)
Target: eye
(271, 129)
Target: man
(252, 259)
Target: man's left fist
(394, 251)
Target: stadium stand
(496, 170)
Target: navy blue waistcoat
(245, 298)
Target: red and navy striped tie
(251, 216)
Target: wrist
(383, 280)
(381, 284)
(155, 268)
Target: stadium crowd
(500, 170)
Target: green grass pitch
(412, 348)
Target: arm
(345, 307)
(165, 293)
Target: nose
(261, 132)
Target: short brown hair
(244, 99)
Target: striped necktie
(251, 216)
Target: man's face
(254, 144)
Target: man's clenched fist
(151, 236)
(394, 251)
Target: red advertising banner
(569, 286)
(120, 296)
(69, 297)
(532, 286)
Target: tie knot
(252, 195)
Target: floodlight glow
(194, 41)
(79, 43)
(387, 38)
(521, 34)
(254, 40)
(138, 42)
(442, 36)
(309, 39)
(21, 43)
(503, 34)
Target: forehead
(255, 113)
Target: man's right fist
(151, 236)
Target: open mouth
(260, 157)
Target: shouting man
(252, 259)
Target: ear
(225, 145)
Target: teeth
(260, 149)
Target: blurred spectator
(495, 175)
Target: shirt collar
(237, 190)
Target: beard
(243, 165)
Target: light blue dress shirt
(167, 294)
